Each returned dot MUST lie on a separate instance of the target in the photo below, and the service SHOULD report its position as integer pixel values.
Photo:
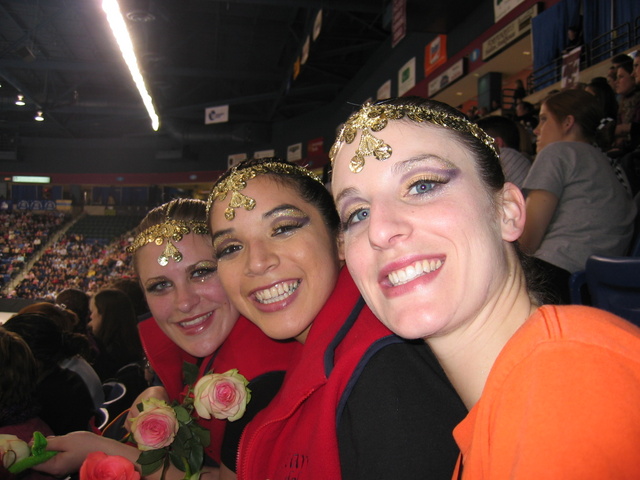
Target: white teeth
(195, 321)
(277, 293)
(400, 277)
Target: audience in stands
(74, 262)
(576, 206)
(22, 235)
(507, 136)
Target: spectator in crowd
(114, 326)
(77, 301)
(80, 348)
(507, 136)
(616, 61)
(576, 206)
(19, 409)
(606, 96)
(629, 107)
(65, 400)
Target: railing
(600, 49)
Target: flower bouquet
(170, 434)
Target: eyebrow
(280, 209)
(401, 168)
(274, 212)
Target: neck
(468, 353)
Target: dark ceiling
(61, 56)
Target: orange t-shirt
(562, 401)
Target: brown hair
(19, 370)
(583, 106)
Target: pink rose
(156, 425)
(100, 466)
(12, 450)
(223, 395)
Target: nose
(188, 298)
(260, 258)
(386, 227)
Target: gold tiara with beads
(373, 118)
(170, 231)
(237, 180)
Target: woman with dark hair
(430, 233)
(358, 402)
(576, 206)
(65, 400)
(114, 326)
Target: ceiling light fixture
(121, 34)
(20, 101)
(39, 117)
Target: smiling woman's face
(422, 235)
(186, 297)
(277, 262)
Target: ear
(500, 142)
(568, 122)
(513, 212)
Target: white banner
(218, 114)
(294, 152)
(407, 77)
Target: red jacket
(295, 436)
(246, 348)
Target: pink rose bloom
(12, 450)
(222, 395)
(156, 425)
(100, 466)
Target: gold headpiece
(375, 117)
(237, 180)
(170, 230)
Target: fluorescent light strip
(121, 33)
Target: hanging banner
(407, 77)
(315, 147)
(264, 153)
(446, 78)
(502, 7)
(571, 69)
(294, 152)
(435, 54)
(384, 91)
(235, 158)
(398, 21)
(218, 114)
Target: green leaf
(203, 435)
(190, 372)
(196, 459)
(148, 469)
(177, 461)
(182, 414)
(150, 456)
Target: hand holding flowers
(169, 433)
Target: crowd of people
(74, 262)
(23, 235)
(371, 343)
